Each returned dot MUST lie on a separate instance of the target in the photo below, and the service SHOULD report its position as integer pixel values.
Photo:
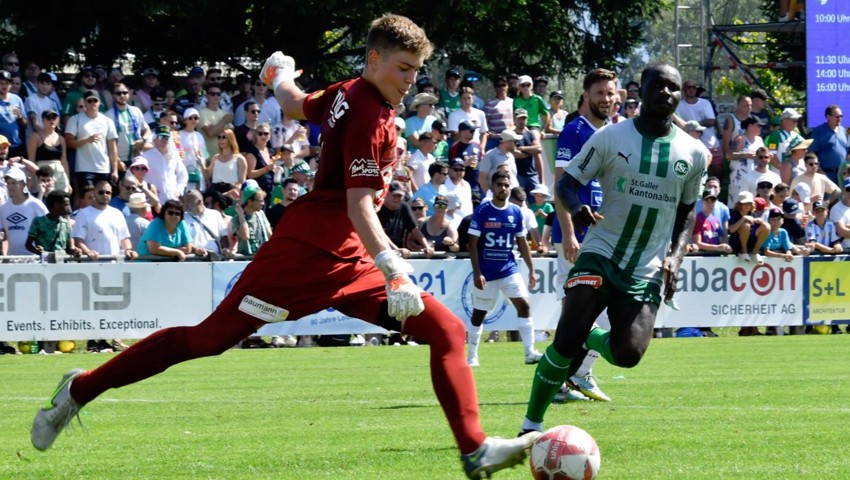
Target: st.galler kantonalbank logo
(466, 300)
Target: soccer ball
(565, 452)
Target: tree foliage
(326, 37)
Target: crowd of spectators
(147, 168)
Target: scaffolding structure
(703, 47)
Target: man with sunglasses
(215, 79)
(830, 142)
(821, 187)
(499, 113)
(129, 124)
(538, 112)
(213, 119)
(95, 138)
(456, 184)
(760, 181)
(100, 229)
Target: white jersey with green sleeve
(644, 179)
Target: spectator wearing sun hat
(423, 107)
(795, 164)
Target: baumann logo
(761, 279)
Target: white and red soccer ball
(565, 452)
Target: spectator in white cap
(541, 205)
(423, 108)
(193, 149)
(17, 214)
(795, 164)
(538, 111)
(747, 232)
(139, 169)
(779, 141)
(694, 129)
(139, 217)
(802, 194)
(401, 142)
(820, 186)
(503, 154)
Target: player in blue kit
(494, 227)
(600, 89)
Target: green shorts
(615, 286)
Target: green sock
(600, 340)
(552, 371)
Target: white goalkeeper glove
(404, 297)
(277, 69)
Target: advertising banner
(827, 286)
(132, 300)
(723, 292)
(100, 300)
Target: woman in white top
(193, 149)
(228, 169)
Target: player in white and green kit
(651, 174)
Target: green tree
(326, 37)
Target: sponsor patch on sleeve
(364, 167)
(594, 281)
(263, 310)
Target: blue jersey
(572, 138)
(590, 194)
(496, 229)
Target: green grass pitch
(745, 408)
